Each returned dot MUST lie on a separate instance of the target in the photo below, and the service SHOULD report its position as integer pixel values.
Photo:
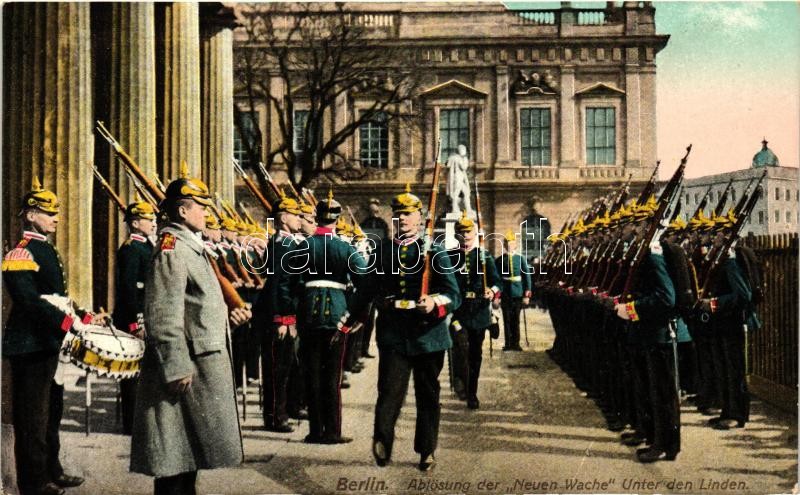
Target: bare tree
(321, 52)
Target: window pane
(374, 139)
(600, 136)
(453, 130)
(535, 136)
(248, 126)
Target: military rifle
(126, 159)
(650, 186)
(272, 184)
(703, 202)
(141, 190)
(723, 199)
(112, 196)
(430, 220)
(658, 224)
(254, 190)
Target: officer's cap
(288, 205)
(211, 222)
(40, 198)
(229, 223)
(700, 222)
(343, 228)
(188, 188)
(677, 225)
(328, 210)
(406, 202)
(465, 223)
(724, 221)
(139, 209)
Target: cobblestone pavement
(535, 432)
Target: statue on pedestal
(458, 181)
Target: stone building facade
(777, 210)
(555, 106)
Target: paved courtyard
(534, 433)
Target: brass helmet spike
(408, 187)
(36, 186)
(184, 170)
(330, 194)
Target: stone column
(133, 108)
(181, 140)
(340, 114)
(502, 111)
(218, 125)
(569, 144)
(633, 144)
(48, 125)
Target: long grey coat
(187, 326)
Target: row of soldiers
(198, 291)
(648, 308)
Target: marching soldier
(133, 262)
(276, 315)
(479, 287)
(411, 330)
(516, 289)
(324, 322)
(31, 341)
(186, 417)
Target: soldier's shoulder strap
(20, 259)
(167, 242)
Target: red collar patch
(167, 242)
(33, 235)
(137, 237)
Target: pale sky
(729, 76)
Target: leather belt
(513, 279)
(329, 284)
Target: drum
(104, 351)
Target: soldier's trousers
(511, 308)
(322, 363)
(127, 392)
(277, 356)
(641, 392)
(366, 332)
(459, 364)
(38, 404)
(664, 398)
(710, 384)
(296, 388)
(735, 396)
(475, 357)
(394, 370)
(239, 351)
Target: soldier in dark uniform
(516, 289)
(31, 342)
(479, 286)
(276, 315)
(729, 310)
(325, 323)
(133, 262)
(650, 310)
(411, 330)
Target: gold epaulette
(19, 259)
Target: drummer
(133, 261)
(31, 342)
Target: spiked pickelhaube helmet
(328, 210)
(40, 198)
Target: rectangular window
(600, 136)
(299, 122)
(248, 126)
(788, 195)
(535, 136)
(453, 130)
(374, 142)
(696, 198)
(777, 193)
(761, 218)
(733, 194)
(788, 217)
(777, 216)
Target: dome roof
(765, 157)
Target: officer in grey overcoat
(185, 417)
